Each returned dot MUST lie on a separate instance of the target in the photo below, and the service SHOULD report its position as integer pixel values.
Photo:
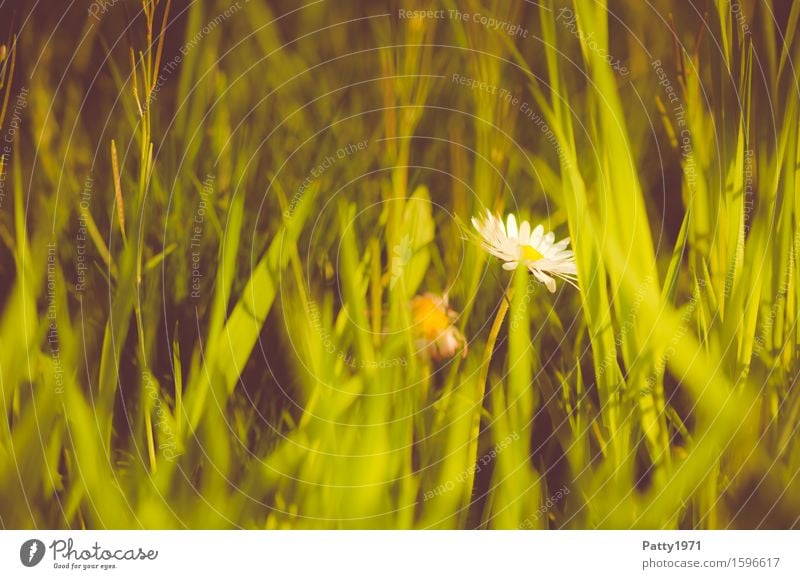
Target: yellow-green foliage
(214, 218)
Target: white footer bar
(400, 554)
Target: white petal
(476, 224)
(510, 265)
(548, 281)
(524, 232)
(536, 236)
(569, 268)
(499, 254)
(511, 227)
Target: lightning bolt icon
(34, 548)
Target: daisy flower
(437, 336)
(546, 258)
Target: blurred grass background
(214, 217)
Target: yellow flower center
(530, 254)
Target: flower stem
(502, 310)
